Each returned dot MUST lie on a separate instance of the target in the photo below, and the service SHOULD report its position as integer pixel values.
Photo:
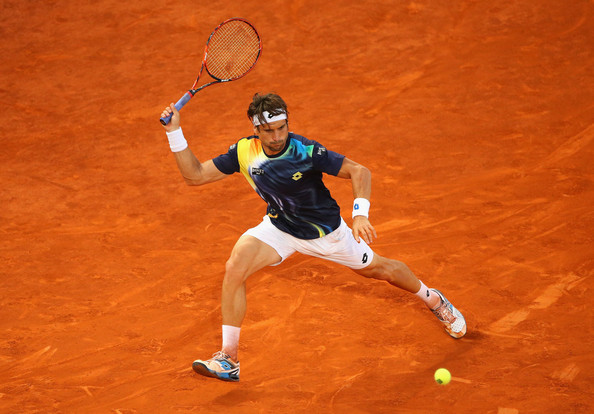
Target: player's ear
(256, 130)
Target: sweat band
(177, 142)
(361, 207)
(269, 117)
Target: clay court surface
(476, 119)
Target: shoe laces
(444, 313)
(220, 355)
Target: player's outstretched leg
(220, 366)
(452, 318)
(398, 274)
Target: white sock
(231, 338)
(430, 298)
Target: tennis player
(286, 170)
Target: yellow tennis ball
(442, 376)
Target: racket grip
(179, 105)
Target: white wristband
(177, 142)
(361, 207)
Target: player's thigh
(250, 255)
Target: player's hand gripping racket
(232, 50)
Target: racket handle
(179, 105)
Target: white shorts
(339, 246)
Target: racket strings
(232, 50)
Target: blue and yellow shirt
(290, 182)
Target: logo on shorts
(365, 257)
(297, 176)
(257, 171)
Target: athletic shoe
(454, 322)
(220, 366)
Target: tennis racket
(231, 51)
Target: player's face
(273, 136)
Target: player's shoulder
(242, 141)
(308, 145)
(301, 139)
(250, 138)
(315, 148)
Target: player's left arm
(360, 177)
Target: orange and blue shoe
(220, 366)
(452, 318)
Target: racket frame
(193, 90)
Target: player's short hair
(269, 102)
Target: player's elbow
(353, 170)
(193, 175)
(191, 182)
(194, 181)
(361, 171)
(202, 178)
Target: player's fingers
(365, 234)
(364, 237)
(356, 235)
(369, 234)
(367, 237)
(372, 232)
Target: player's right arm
(193, 171)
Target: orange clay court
(476, 119)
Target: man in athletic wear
(285, 169)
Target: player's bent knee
(382, 268)
(399, 266)
(235, 274)
(375, 270)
